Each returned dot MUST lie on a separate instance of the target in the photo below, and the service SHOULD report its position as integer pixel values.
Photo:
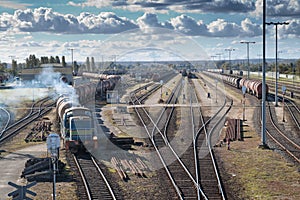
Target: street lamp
(276, 54)
(247, 42)
(229, 56)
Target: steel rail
(282, 134)
(87, 189)
(292, 113)
(211, 153)
(179, 159)
(208, 139)
(283, 147)
(8, 120)
(30, 117)
(104, 178)
(194, 141)
(158, 153)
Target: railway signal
(244, 92)
(53, 144)
(161, 82)
(20, 193)
(283, 93)
(216, 90)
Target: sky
(129, 30)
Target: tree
(2, 67)
(14, 67)
(52, 59)
(75, 68)
(32, 61)
(93, 64)
(63, 61)
(297, 67)
(57, 60)
(88, 64)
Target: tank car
(254, 87)
(94, 76)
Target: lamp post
(276, 54)
(229, 56)
(248, 69)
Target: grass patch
(255, 173)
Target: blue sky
(197, 29)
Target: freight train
(254, 87)
(105, 82)
(76, 121)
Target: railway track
(37, 109)
(208, 174)
(93, 184)
(282, 141)
(188, 181)
(294, 111)
(290, 87)
(5, 119)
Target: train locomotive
(253, 87)
(76, 124)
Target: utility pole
(229, 56)
(213, 58)
(276, 54)
(259, 67)
(263, 111)
(219, 54)
(248, 69)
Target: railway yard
(171, 135)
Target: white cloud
(250, 29)
(292, 30)
(46, 20)
(13, 5)
(221, 28)
(189, 25)
(275, 8)
(174, 5)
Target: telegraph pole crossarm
(276, 56)
(248, 68)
